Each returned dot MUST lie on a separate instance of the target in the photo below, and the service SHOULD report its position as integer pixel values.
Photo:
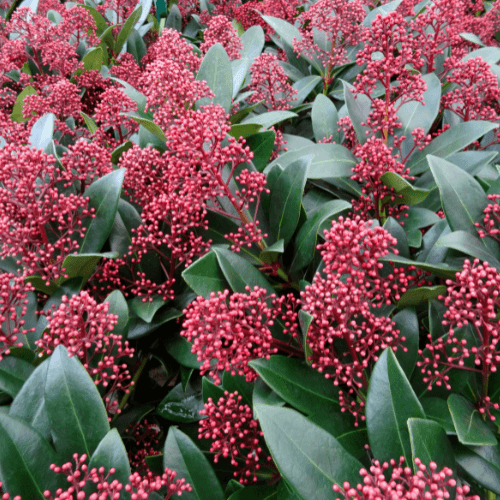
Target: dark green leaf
(297, 383)
(174, 19)
(111, 453)
(262, 145)
(139, 328)
(25, 459)
(286, 199)
(205, 276)
(324, 118)
(471, 428)
(437, 409)
(390, 403)
(261, 492)
(92, 61)
(429, 443)
(216, 70)
(407, 322)
(180, 349)
(146, 309)
(406, 194)
(182, 455)
(449, 142)
(418, 295)
(305, 241)
(307, 456)
(136, 46)
(13, 374)
(439, 269)
(264, 395)
(76, 412)
(89, 122)
(181, 406)
(238, 383)
(211, 390)
(358, 108)
(83, 265)
(118, 306)
(104, 195)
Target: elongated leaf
(244, 130)
(92, 60)
(407, 194)
(89, 122)
(407, 322)
(183, 456)
(76, 412)
(149, 125)
(261, 492)
(436, 409)
(270, 118)
(239, 273)
(25, 459)
(127, 29)
(118, 306)
(429, 443)
(305, 241)
(416, 296)
(308, 457)
(216, 70)
(304, 87)
(390, 403)
(471, 428)
(182, 406)
(450, 142)
(205, 276)
(13, 374)
(104, 195)
(286, 199)
(83, 265)
(440, 269)
(297, 383)
(358, 108)
(43, 131)
(324, 118)
(174, 19)
(111, 453)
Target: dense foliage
(249, 250)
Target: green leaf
(471, 428)
(211, 390)
(467, 243)
(390, 403)
(181, 406)
(174, 19)
(127, 29)
(305, 241)
(407, 322)
(436, 409)
(42, 131)
(111, 453)
(180, 349)
(286, 199)
(205, 276)
(440, 269)
(304, 87)
(462, 197)
(136, 46)
(358, 109)
(239, 273)
(146, 309)
(238, 383)
(83, 265)
(324, 118)
(418, 295)
(17, 110)
(449, 142)
(429, 443)
(482, 463)
(297, 383)
(270, 118)
(75, 409)
(407, 194)
(262, 492)
(264, 395)
(328, 161)
(149, 125)
(308, 457)
(216, 70)
(139, 328)
(13, 374)
(92, 61)
(101, 23)
(244, 130)
(183, 456)
(25, 459)
(118, 305)
(104, 195)
(89, 122)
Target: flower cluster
(473, 298)
(491, 220)
(144, 441)
(85, 329)
(235, 435)
(220, 30)
(426, 484)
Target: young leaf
(75, 409)
(390, 403)
(183, 456)
(104, 195)
(308, 457)
(286, 199)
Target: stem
(124, 400)
(290, 349)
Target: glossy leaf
(441, 269)
(390, 403)
(181, 406)
(104, 195)
(118, 306)
(205, 276)
(92, 61)
(183, 456)
(324, 118)
(216, 70)
(308, 457)
(471, 428)
(238, 383)
(270, 118)
(180, 349)
(139, 328)
(416, 296)
(149, 125)
(77, 416)
(306, 239)
(449, 142)
(83, 265)
(13, 374)
(407, 323)
(358, 110)
(407, 194)
(304, 87)
(146, 309)
(286, 199)
(261, 492)
(436, 409)
(136, 46)
(89, 122)
(429, 443)
(297, 383)
(42, 131)
(262, 145)
(25, 459)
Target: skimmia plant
(249, 249)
